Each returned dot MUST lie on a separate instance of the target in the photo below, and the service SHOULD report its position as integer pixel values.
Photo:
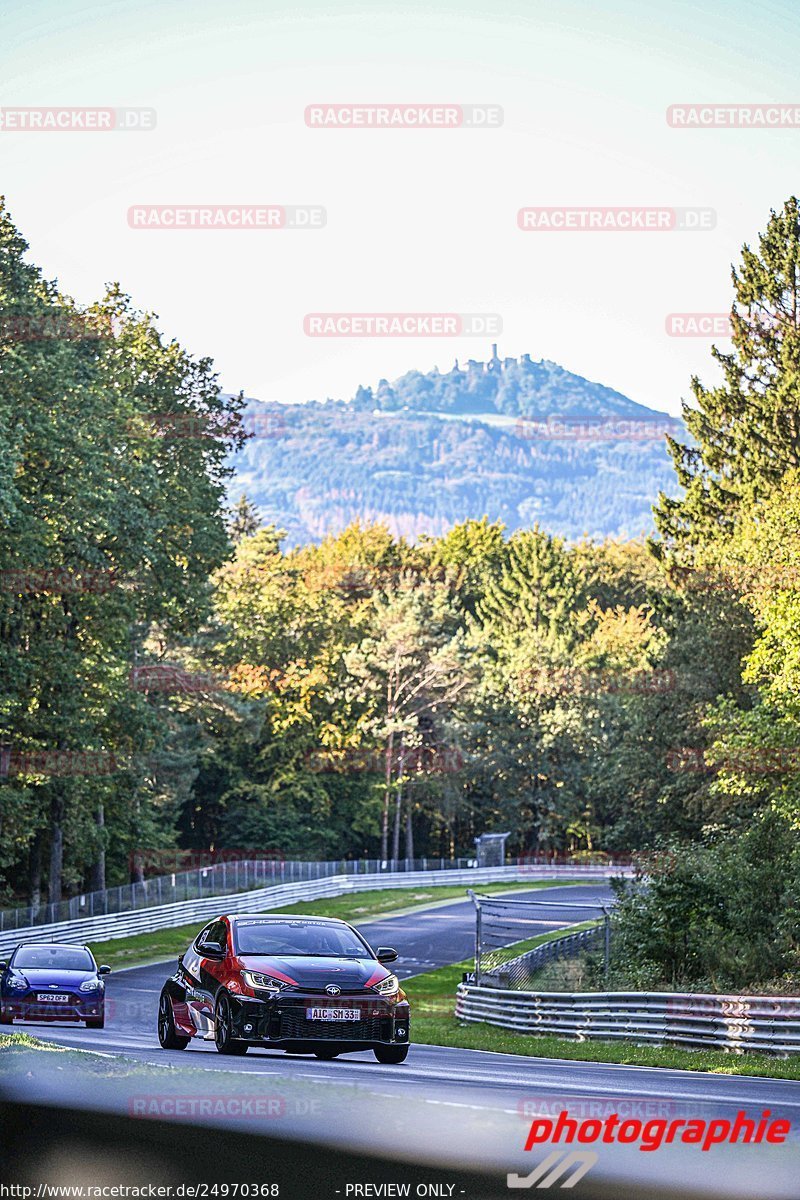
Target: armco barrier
(168, 916)
(769, 1024)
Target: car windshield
(287, 938)
(60, 958)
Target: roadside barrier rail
(516, 972)
(767, 1024)
(169, 916)
(231, 875)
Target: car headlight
(388, 986)
(18, 985)
(91, 985)
(263, 983)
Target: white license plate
(56, 997)
(333, 1014)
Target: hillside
(518, 440)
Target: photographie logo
(371, 760)
(734, 116)
(59, 581)
(55, 763)
(594, 429)
(574, 682)
(647, 1134)
(77, 120)
(363, 324)
(404, 116)
(227, 216)
(616, 219)
(268, 424)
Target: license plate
(333, 1014)
(56, 997)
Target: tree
(410, 667)
(243, 520)
(746, 431)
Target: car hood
(46, 977)
(315, 972)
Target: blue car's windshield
(59, 958)
(286, 938)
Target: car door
(199, 995)
(212, 967)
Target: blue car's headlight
(17, 985)
(91, 985)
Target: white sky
(417, 220)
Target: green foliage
(716, 918)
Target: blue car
(43, 981)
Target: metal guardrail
(503, 924)
(212, 879)
(169, 916)
(768, 1024)
(516, 972)
(238, 875)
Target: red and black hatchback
(308, 985)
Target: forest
(176, 673)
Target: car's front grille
(295, 1024)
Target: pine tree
(244, 519)
(746, 431)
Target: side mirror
(212, 950)
(3, 965)
(180, 960)
(104, 970)
(386, 954)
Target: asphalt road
(450, 1106)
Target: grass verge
(353, 906)
(432, 996)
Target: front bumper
(27, 1007)
(285, 1020)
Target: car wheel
(96, 1022)
(168, 1035)
(327, 1053)
(6, 1019)
(224, 1040)
(391, 1055)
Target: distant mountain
(518, 440)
